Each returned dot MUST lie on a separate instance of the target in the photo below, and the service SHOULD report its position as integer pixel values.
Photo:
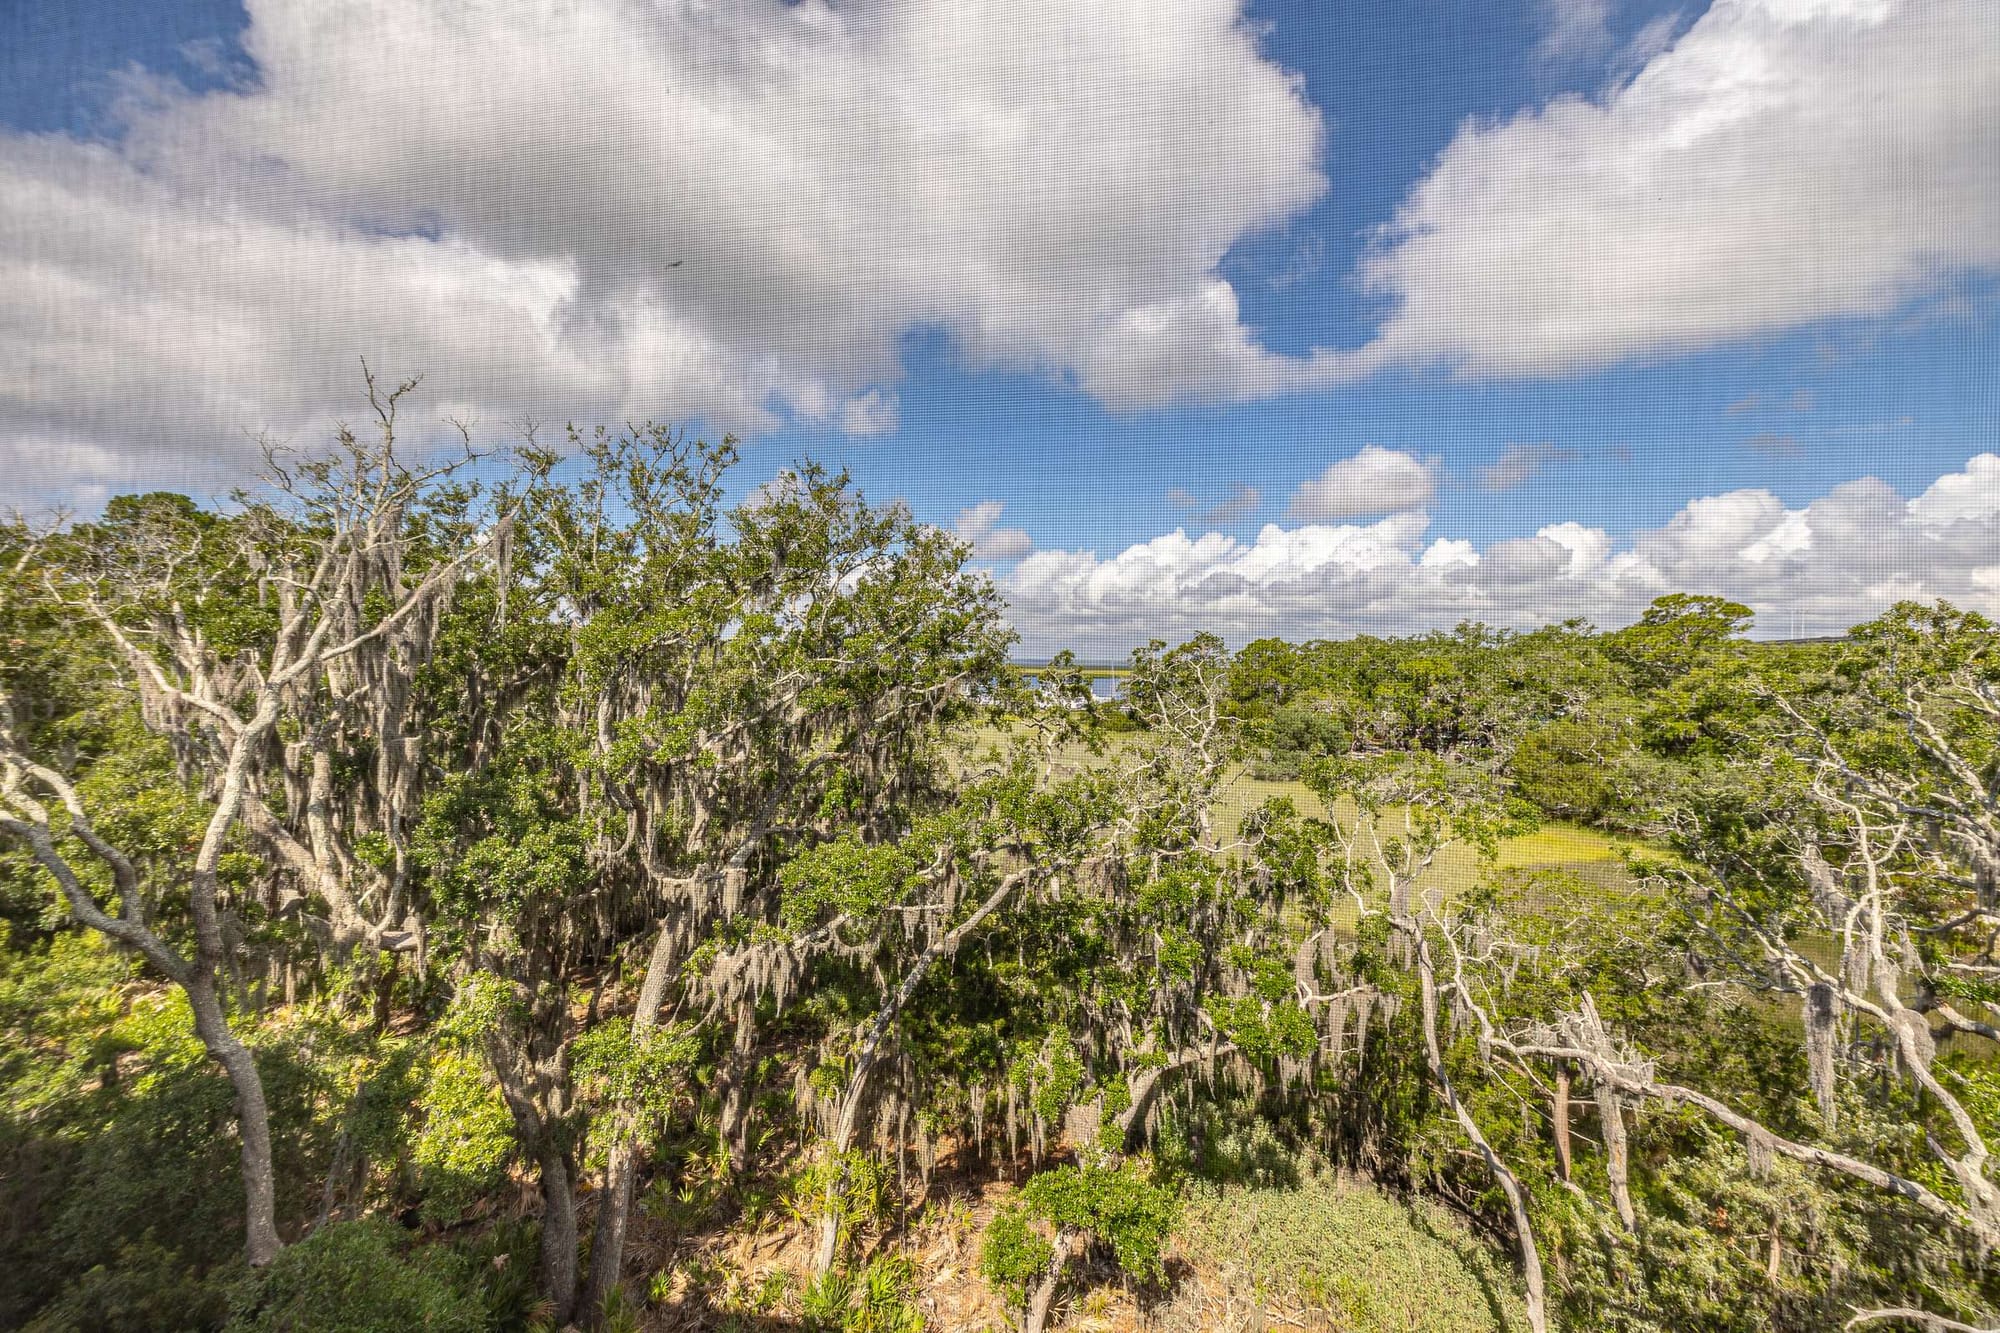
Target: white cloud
(1781, 162)
(1646, 43)
(743, 216)
(979, 525)
(1573, 29)
(870, 413)
(1374, 481)
(1242, 502)
(1822, 567)
(738, 218)
(1971, 496)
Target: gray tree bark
(1036, 1317)
(621, 1170)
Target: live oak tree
(697, 694)
(899, 909)
(1394, 815)
(1877, 834)
(234, 633)
(1173, 957)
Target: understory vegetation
(528, 891)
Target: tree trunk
(253, 1119)
(559, 1238)
(871, 1051)
(1036, 1316)
(1617, 1155)
(385, 990)
(533, 1071)
(829, 1227)
(621, 1170)
(607, 1241)
(1561, 1119)
(1147, 1085)
(253, 1115)
(835, 1199)
(734, 1121)
(197, 979)
(1531, 1257)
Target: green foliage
(1576, 769)
(880, 1298)
(142, 1167)
(1226, 1141)
(63, 1024)
(826, 1301)
(1292, 735)
(143, 1288)
(1050, 1076)
(649, 1074)
(355, 1277)
(651, 705)
(616, 1314)
(465, 1143)
(853, 1184)
(1119, 1207)
(843, 876)
(1677, 635)
(1014, 1254)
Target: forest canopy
(520, 890)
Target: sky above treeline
(1289, 318)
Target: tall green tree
(697, 694)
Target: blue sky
(1075, 289)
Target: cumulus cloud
(1820, 568)
(1781, 162)
(870, 413)
(738, 221)
(1971, 496)
(980, 526)
(743, 218)
(1374, 481)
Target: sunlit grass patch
(1562, 844)
(1346, 1251)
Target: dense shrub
(356, 1277)
(467, 1140)
(144, 1288)
(1119, 1208)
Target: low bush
(356, 1277)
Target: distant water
(1101, 687)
